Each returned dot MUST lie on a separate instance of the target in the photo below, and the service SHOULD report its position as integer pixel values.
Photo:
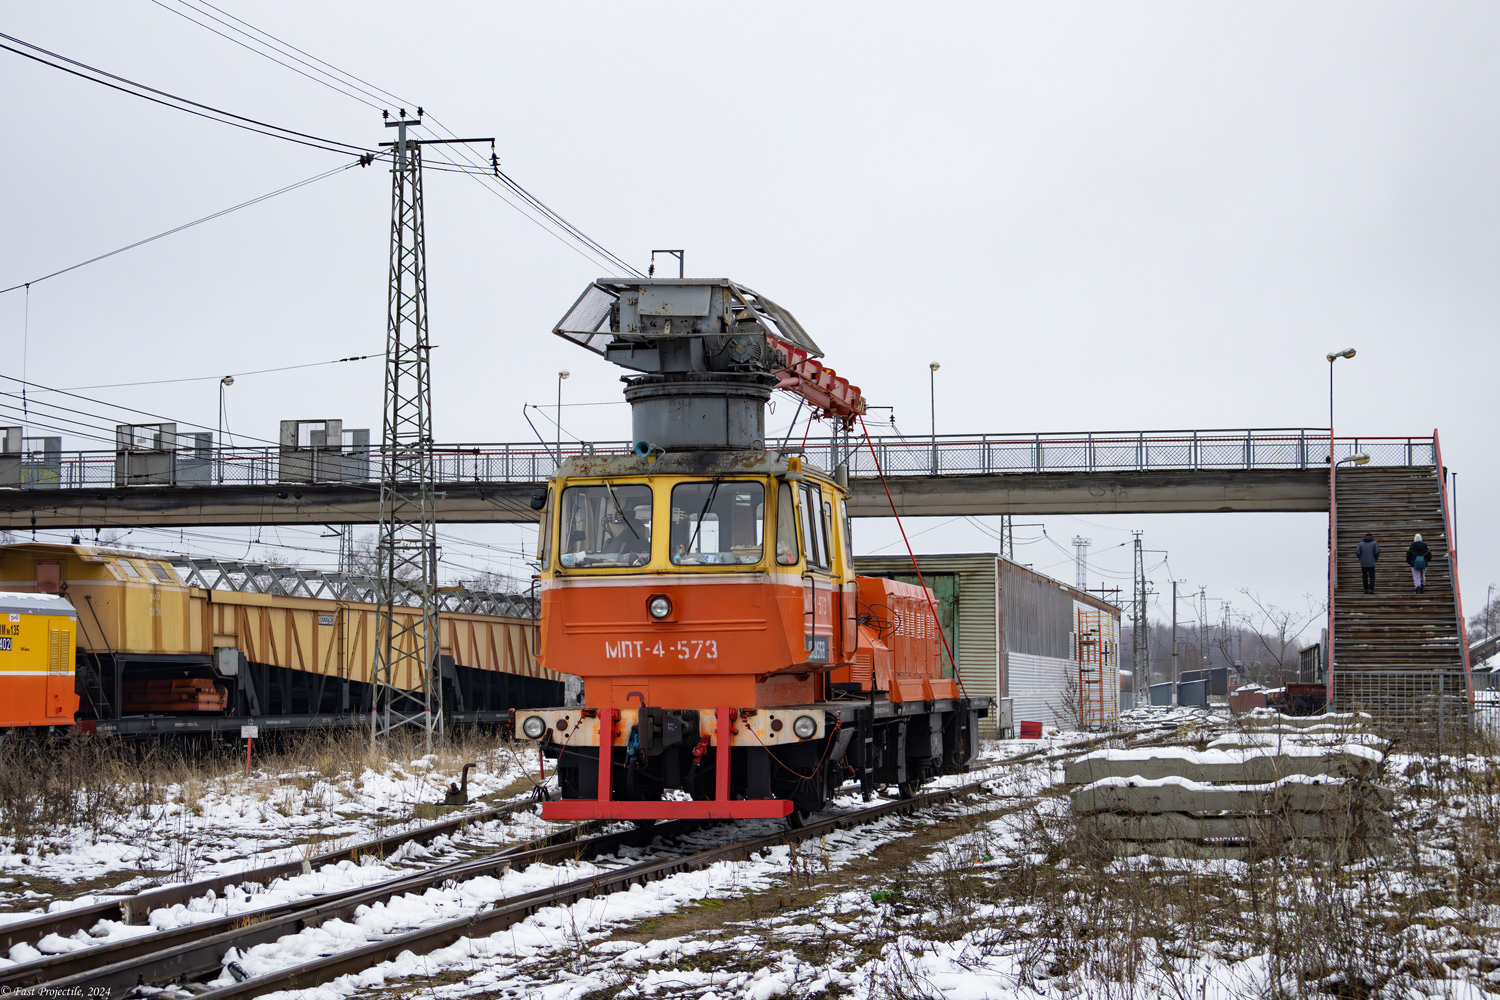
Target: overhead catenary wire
(116, 406)
(45, 425)
(260, 52)
(288, 45)
(215, 378)
(106, 429)
(186, 225)
(488, 175)
(167, 99)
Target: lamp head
(934, 366)
(1346, 353)
(227, 380)
(564, 373)
(1359, 458)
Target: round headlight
(659, 606)
(805, 726)
(534, 727)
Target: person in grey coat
(1368, 551)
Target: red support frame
(1458, 597)
(720, 807)
(1333, 544)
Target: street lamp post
(1333, 468)
(224, 383)
(932, 397)
(1346, 353)
(560, 376)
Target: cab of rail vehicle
(36, 660)
(696, 579)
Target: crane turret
(709, 353)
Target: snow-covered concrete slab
(1224, 765)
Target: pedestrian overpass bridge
(1134, 472)
(1407, 659)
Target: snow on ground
(160, 832)
(998, 897)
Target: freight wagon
(205, 645)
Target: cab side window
(544, 545)
(848, 536)
(786, 526)
(814, 538)
(828, 530)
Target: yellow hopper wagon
(201, 645)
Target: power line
(924, 531)
(289, 45)
(189, 225)
(260, 52)
(183, 104)
(487, 174)
(113, 406)
(215, 378)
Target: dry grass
(1371, 912)
(100, 786)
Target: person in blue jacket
(1368, 552)
(1417, 557)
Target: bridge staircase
(1396, 653)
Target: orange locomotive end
(36, 660)
(728, 652)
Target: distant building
(1019, 634)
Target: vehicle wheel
(797, 818)
(643, 824)
(909, 789)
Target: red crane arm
(829, 394)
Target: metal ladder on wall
(1095, 692)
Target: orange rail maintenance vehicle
(36, 660)
(703, 586)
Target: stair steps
(1396, 653)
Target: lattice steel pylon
(408, 687)
(1081, 547)
(1140, 651)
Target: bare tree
(493, 582)
(1278, 631)
(1487, 622)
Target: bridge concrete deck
(1025, 493)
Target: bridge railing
(947, 454)
(1137, 451)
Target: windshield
(603, 526)
(718, 523)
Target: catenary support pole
(1174, 642)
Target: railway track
(198, 951)
(199, 948)
(137, 909)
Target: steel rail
(512, 911)
(113, 970)
(167, 956)
(135, 909)
(204, 954)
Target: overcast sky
(1095, 217)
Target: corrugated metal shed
(976, 599)
(1038, 625)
